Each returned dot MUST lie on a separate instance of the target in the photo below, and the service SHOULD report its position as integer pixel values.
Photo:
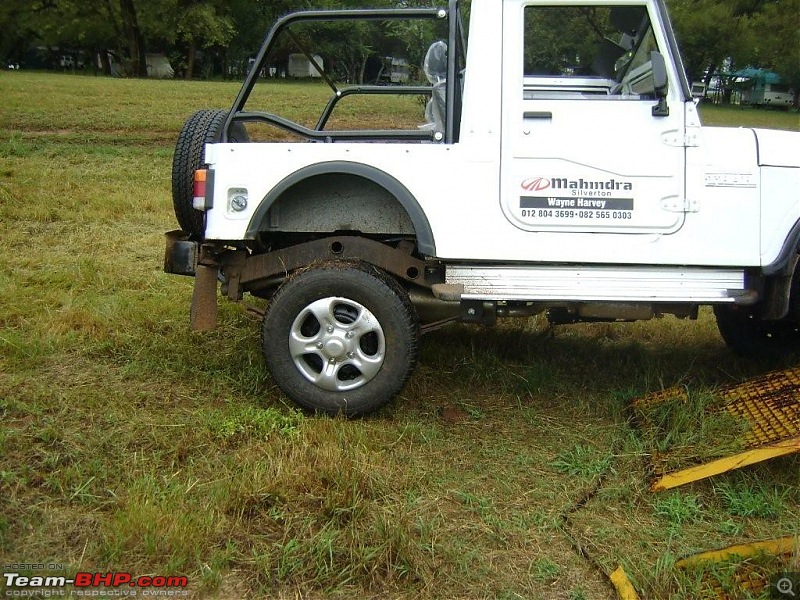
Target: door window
(576, 52)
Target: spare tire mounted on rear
(202, 128)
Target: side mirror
(660, 83)
(698, 91)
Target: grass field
(506, 469)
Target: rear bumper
(180, 255)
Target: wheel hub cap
(334, 348)
(337, 344)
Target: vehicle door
(589, 143)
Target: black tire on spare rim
(340, 338)
(201, 128)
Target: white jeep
(559, 165)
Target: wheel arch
(783, 265)
(781, 294)
(422, 228)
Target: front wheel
(751, 337)
(340, 338)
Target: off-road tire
(751, 337)
(201, 128)
(336, 286)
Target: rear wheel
(202, 128)
(340, 338)
(752, 337)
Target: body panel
(710, 203)
(778, 148)
(780, 209)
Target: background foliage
(213, 38)
(729, 34)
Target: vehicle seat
(435, 68)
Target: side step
(602, 283)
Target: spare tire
(202, 128)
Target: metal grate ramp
(749, 578)
(770, 405)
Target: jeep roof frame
(456, 39)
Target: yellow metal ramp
(748, 579)
(770, 406)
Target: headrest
(435, 65)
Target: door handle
(537, 115)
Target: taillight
(199, 189)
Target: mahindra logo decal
(535, 184)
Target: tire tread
(202, 128)
(388, 292)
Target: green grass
(129, 443)
(739, 116)
(683, 432)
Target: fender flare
(422, 227)
(783, 265)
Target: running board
(594, 284)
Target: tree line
(213, 38)
(723, 36)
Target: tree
(19, 21)
(183, 28)
(760, 33)
(190, 25)
(72, 25)
(775, 41)
(708, 33)
(66, 25)
(133, 37)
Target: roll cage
(456, 40)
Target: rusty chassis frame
(245, 272)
